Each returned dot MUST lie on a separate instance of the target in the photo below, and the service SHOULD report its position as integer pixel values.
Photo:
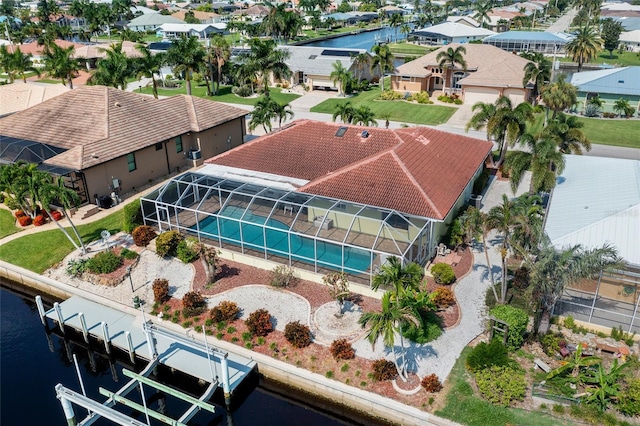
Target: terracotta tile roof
(38, 50)
(18, 96)
(203, 16)
(493, 66)
(420, 170)
(108, 123)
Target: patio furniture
(442, 249)
(288, 208)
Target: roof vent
(117, 104)
(341, 131)
(364, 134)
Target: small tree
(211, 258)
(338, 288)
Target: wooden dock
(176, 350)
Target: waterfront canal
(34, 361)
(363, 40)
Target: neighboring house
(151, 21)
(631, 40)
(91, 53)
(325, 196)
(142, 10)
(464, 20)
(19, 96)
(500, 20)
(203, 17)
(254, 12)
(490, 73)
(202, 31)
(610, 85)
(529, 41)
(584, 210)
(102, 139)
(38, 51)
(313, 66)
(450, 32)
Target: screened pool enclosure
(302, 230)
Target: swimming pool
(226, 227)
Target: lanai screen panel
(303, 230)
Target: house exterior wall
(152, 164)
(408, 84)
(609, 100)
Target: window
(179, 144)
(406, 78)
(131, 161)
(158, 146)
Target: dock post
(224, 366)
(41, 311)
(83, 324)
(107, 339)
(151, 344)
(58, 310)
(67, 407)
(132, 352)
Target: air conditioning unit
(194, 155)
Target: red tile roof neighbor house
(420, 170)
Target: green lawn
(624, 59)
(409, 49)
(37, 252)
(49, 81)
(613, 132)
(7, 223)
(463, 407)
(400, 111)
(224, 95)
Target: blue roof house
(529, 41)
(610, 84)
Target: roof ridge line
(407, 173)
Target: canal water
(33, 361)
(363, 40)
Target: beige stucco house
(490, 73)
(104, 140)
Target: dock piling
(132, 352)
(58, 310)
(83, 324)
(67, 407)
(107, 339)
(224, 366)
(41, 311)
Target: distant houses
(609, 85)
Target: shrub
(551, 343)
(501, 385)
(443, 273)
(128, 254)
(443, 297)
(167, 243)
(283, 276)
(104, 262)
(342, 349)
(630, 399)
(431, 383)
(39, 220)
(488, 355)
(521, 279)
(19, 213)
(160, 290)
(421, 98)
(517, 319)
(132, 217)
(142, 235)
(56, 215)
(259, 322)
(592, 110)
(193, 304)
(457, 101)
(384, 370)
(242, 91)
(24, 220)
(185, 252)
(297, 334)
(75, 268)
(390, 95)
(224, 311)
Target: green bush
(167, 243)
(428, 331)
(488, 355)
(629, 403)
(501, 385)
(225, 311)
(185, 252)
(142, 235)
(104, 262)
(132, 217)
(193, 304)
(443, 273)
(384, 370)
(421, 98)
(128, 254)
(242, 91)
(517, 319)
(283, 276)
(456, 234)
(75, 268)
(299, 335)
(390, 95)
(551, 343)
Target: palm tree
(22, 64)
(6, 63)
(266, 110)
(622, 106)
(186, 54)
(500, 218)
(386, 324)
(149, 65)
(114, 69)
(264, 59)
(220, 52)
(541, 157)
(539, 72)
(274, 23)
(566, 129)
(361, 61)
(393, 275)
(345, 111)
(482, 9)
(60, 63)
(474, 224)
(383, 60)
(559, 96)
(395, 21)
(448, 59)
(585, 46)
(405, 29)
(364, 116)
(554, 270)
(282, 112)
(340, 76)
